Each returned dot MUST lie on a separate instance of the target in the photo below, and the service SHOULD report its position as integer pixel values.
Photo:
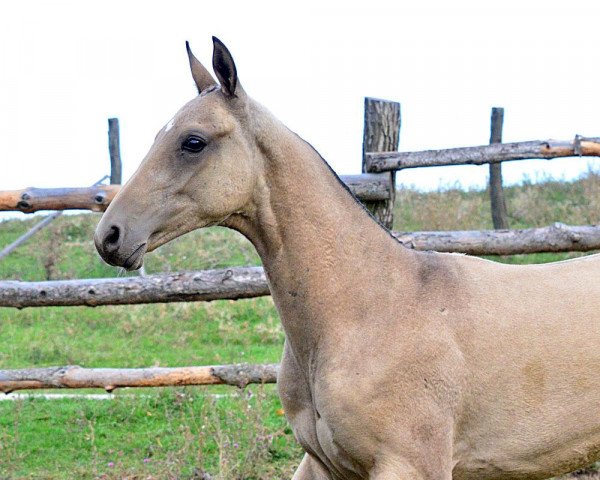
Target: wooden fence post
(114, 151)
(382, 134)
(499, 212)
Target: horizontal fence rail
(41, 225)
(248, 282)
(555, 238)
(493, 153)
(227, 284)
(29, 200)
(73, 376)
(366, 187)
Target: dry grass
(529, 205)
(584, 474)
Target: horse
(397, 364)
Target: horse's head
(199, 171)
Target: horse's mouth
(136, 259)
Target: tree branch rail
(494, 153)
(109, 379)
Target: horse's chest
(322, 437)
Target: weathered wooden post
(114, 150)
(499, 212)
(382, 134)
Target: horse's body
(397, 364)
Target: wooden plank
(367, 187)
(497, 199)
(73, 376)
(29, 200)
(381, 133)
(480, 155)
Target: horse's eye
(193, 144)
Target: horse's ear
(201, 75)
(224, 68)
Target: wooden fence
(248, 282)
(375, 188)
(367, 188)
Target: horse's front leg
(418, 448)
(405, 471)
(424, 461)
(311, 469)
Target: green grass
(174, 432)
(137, 336)
(181, 432)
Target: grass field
(185, 432)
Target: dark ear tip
(224, 67)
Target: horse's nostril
(113, 235)
(112, 240)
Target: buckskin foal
(397, 364)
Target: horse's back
(530, 337)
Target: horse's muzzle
(112, 246)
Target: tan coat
(397, 364)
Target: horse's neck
(314, 239)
